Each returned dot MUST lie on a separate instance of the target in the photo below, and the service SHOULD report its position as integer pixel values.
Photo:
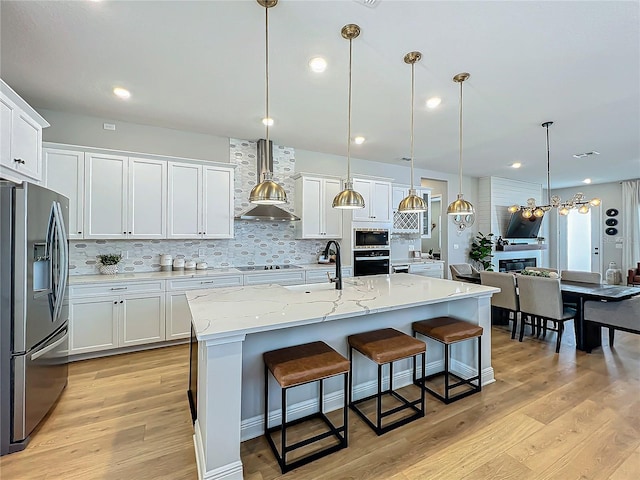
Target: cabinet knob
(121, 301)
(129, 233)
(124, 233)
(79, 232)
(115, 303)
(19, 160)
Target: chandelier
(578, 201)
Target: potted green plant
(109, 263)
(481, 249)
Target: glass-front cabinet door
(425, 221)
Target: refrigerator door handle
(48, 348)
(63, 264)
(60, 260)
(49, 254)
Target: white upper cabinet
(105, 196)
(147, 198)
(217, 202)
(314, 199)
(20, 137)
(63, 172)
(200, 201)
(377, 200)
(425, 218)
(403, 222)
(125, 197)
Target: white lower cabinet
(108, 316)
(93, 324)
(178, 315)
(434, 270)
(141, 319)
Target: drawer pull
(210, 281)
(119, 288)
(19, 160)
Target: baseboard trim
(232, 471)
(133, 348)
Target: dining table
(589, 334)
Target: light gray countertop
(140, 276)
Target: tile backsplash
(255, 243)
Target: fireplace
(515, 264)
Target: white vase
(108, 269)
(613, 274)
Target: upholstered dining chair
(580, 276)
(541, 301)
(507, 300)
(462, 269)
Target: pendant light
(578, 201)
(462, 212)
(348, 198)
(412, 203)
(267, 192)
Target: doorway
(580, 241)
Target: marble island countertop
(140, 276)
(227, 311)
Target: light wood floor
(566, 416)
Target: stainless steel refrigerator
(34, 322)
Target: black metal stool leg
(446, 372)
(284, 426)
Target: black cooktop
(252, 268)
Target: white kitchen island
(234, 326)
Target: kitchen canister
(201, 266)
(178, 264)
(165, 262)
(189, 265)
(613, 274)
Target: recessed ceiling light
(318, 64)
(433, 102)
(122, 93)
(516, 165)
(587, 181)
(267, 121)
(359, 140)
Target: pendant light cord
(266, 70)
(460, 159)
(349, 115)
(548, 170)
(412, 103)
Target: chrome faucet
(338, 278)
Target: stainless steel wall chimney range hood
(266, 213)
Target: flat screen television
(520, 227)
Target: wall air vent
(585, 154)
(368, 3)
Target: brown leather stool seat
(450, 330)
(299, 365)
(383, 347)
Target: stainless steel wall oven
(370, 262)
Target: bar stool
(386, 346)
(450, 330)
(299, 365)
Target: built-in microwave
(370, 238)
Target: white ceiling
(199, 66)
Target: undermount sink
(311, 287)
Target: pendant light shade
(462, 211)
(348, 198)
(267, 192)
(412, 203)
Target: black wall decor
(611, 222)
(612, 212)
(611, 231)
